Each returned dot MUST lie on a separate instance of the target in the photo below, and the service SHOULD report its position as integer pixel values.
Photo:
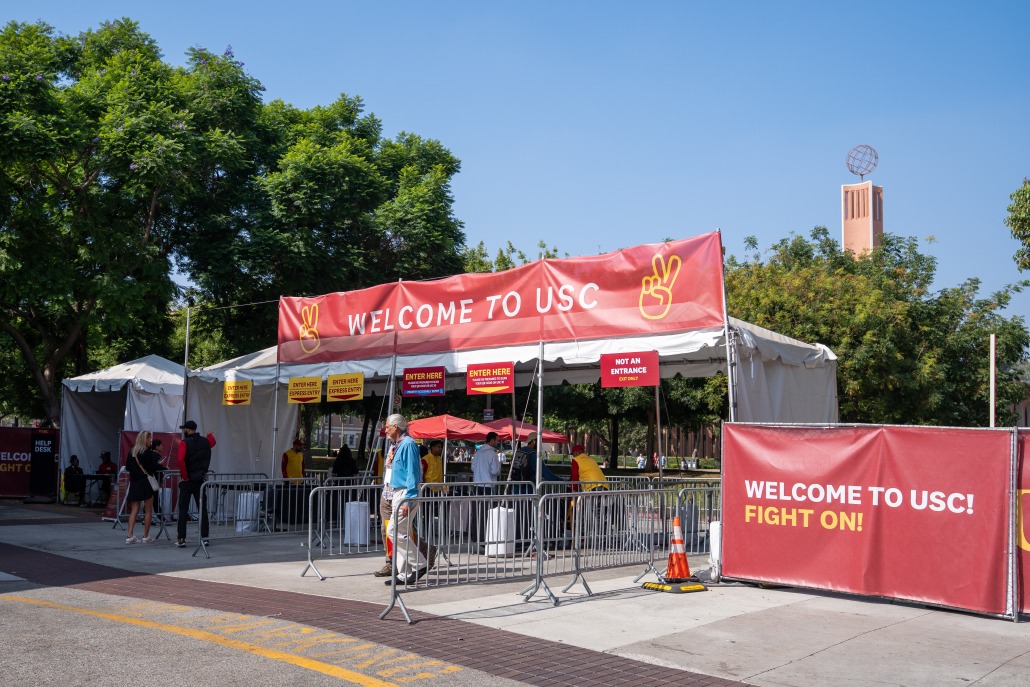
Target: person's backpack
(520, 467)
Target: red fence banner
(919, 513)
(665, 287)
(15, 460)
(1023, 522)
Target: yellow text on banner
(305, 390)
(345, 387)
(237, 392)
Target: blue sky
(598, 125)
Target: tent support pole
(731, 368)
(540, 416)
(658, 433)
(275, 422)
(186, 367)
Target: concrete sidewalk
(736, 632)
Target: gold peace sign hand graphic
(656, 289)
(309, 340)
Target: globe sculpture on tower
(862, 160)
(861, 204)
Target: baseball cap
(189, 424)
(577, 449)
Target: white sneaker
(148, 540)
(131, 540)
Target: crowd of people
(402, 469)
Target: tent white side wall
(137, 395)
(246, 441)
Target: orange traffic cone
(679, 569)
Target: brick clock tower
(861, 204)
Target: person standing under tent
(109, 470)
(142, 464)
(194, 463)
(486, 468)
(403, 474)
(432, 464)
(584, 469)
(523, 465)
(344, 465)
(293, 461)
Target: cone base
(675, 587)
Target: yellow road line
(275, 655)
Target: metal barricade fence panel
(592, 530)
(344, 520)
(477, 536)
(697, 507)
(247, 507)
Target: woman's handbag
(150, 478)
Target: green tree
(325, 205)
(100, 147)
(1018, 221)
(906, 354)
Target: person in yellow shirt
(293, 461)
(584, 469)
(432, 464)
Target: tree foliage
(1018, 221)
(906, 354)
(99, 141)
(115, 167)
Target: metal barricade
(164, 501)
(248, 507)
(229, 476)
(320, 475)
(698, 507)
(580, 531)
(678, 482)
(494, 541)
(344, 520)
(355, 481)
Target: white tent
(137, 395)
(779, 379)
(246, 438)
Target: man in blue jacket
(403, 476)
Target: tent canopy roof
(693, 354)
(523, 430)
(151, 373)
(447, 427)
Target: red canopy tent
(447, 427)
(523, 430)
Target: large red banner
(916, 513)
(1023, 522)
(15, 460)
(667, 287)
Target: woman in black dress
(141, 463)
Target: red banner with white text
(666, 287)
(1023, 522)
(15, 460)
(919, 513)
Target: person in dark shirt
(74, 482)
(344, 465)
(194, 462)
